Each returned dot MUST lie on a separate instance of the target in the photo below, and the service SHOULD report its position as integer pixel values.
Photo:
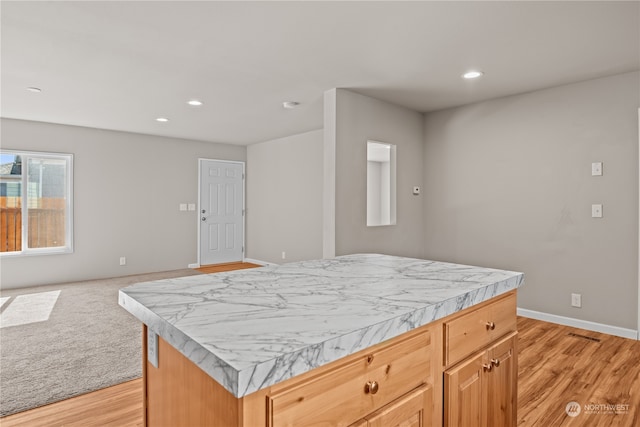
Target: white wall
(358, 119)
(508, 184)
(284, 198)
(374, 185)
(127, 188)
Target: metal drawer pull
(487, 367)
(495, 362)
(371, 387)
(490, 326)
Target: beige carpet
(87, 343)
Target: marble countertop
(250, 329)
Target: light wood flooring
(597, 370)
(219, 268)
(116, 406)
(555, 368)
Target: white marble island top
(250, 329)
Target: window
(36, 206)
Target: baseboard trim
(577, 323)
(196, 265)
(257, 261)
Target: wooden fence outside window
(46, 223)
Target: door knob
(204, 218)
(204, 211)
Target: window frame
(67, 248)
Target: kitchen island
(324, 342)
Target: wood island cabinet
(457, 371)
(481, 389)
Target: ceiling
(120, 65)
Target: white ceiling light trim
(162, 119)
(195, 102)
(472, 74)
(34, 89)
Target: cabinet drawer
(478, 328)
(344, 394)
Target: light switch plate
(152, 347)
(596, 211)
(183, 206)
(596, 169)
(192, 206)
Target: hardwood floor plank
(119, 405)
(556, 368)
(219, 268)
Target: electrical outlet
(152, 348)
(576, 300)
(284, 255)
(123, 260)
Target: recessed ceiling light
(472, 74)
(194, 103)
(34, 89)
(289, 105)
(162, 119)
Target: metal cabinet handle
(487, 367)
(495, 362)
(371, 387)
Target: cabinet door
(482, 390)
(502, 383)
(463, 393)
(411, 410)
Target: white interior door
(221, 211)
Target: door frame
(244, 193)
